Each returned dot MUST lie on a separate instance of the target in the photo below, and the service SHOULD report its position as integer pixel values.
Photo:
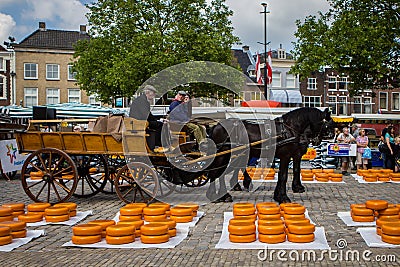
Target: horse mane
(300, 112)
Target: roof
(244, 61)
(56, 39)
(261, 103)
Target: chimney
(82, 29)
(245, 48)
(42, 26)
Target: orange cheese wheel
(322, 175)
(294, 216)
(153, 210)
(30, 218)
(307, 179)
(362, 211)
(386, 170)
(137, 224)
(374, 171)
(268, 209)
(172, 232)
(93, 170)
(38, 206)
(166, 206)
(56, 211)
(328, 171)
(130, 211)
(6, 218)
(272, 239)
(395, 175)
(391, 228)
(154, 229)
(295, 210)
(395, 179)
(244, 211)
(67, 176)
(72, 213)
(41, 213)
(193, 206)
(244, 229)
(242, 238)
(370, 180)
(153, 218)
(19, 234)
(87, 229)
(336, 180)
(37, 174)
(271, 229)
(5, 240)
(383, 175)
(384, 179)
(84, 240)
(300, 238)
(336, 175)
(171, 223)
(316, 170)
(70, 205)
(389, 211)
(322, 179)
(120, 230)
(15, 214)
(376, 204)
(391, 239)
(102, 223)
(236, 221)
(378, 231)
(301, 228)
(381, 221)
(288, 222)
(14, 225)
(132, 218)
(362, 218)
(243, 205)
(181, 211)
(154, 239)
(269, 216)
(307, 175)
(251, 217)
(5, 211)
(136, 205)
(5, 230)
(14, 206)
(283, 205)
(103, 234)
(119, 240)
(181, 219)
(194, 213)
(270, 222)
(357, 205)
(56, 218)
(393, 217)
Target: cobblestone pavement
(323, 201)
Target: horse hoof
(249, 188)
(228, 198)
(237, 187)
(298, 189)
(281, 199)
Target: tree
(133, 40)
(359, 38)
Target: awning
(286, 96)
(342, 118)
(261, 104)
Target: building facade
(6, 76)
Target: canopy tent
(261, 104)
(339, 119)
(292, 96)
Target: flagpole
(265, 12)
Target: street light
(265, 12)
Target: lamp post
(265, 12)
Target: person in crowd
(77, 128)
(345, 138)
(362, 143)
(383, 155)
(354, 132)
(389, 141)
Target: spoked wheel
(138, 183)
(92, 174)
(49, 175)
(114, 163)
(199, 181)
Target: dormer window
(281, 54)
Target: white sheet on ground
(80, 215)
(346, 218)
(372, 239)
(17, 242)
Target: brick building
(6, 76)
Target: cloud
(7, 24)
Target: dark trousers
(161, 133)
(389, 162)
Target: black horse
(293, 133)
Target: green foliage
(357, 37)
(133, 40)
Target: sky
(19, 18)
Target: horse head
(321, 126)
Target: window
(383, 101)
(52, 72)
(53, 96)
(342, 105)
(312, 84)
(2, 87)
(30, 71)
(312, 101)
(281, 54)
(290, 80)
(332, 104)
(74, 95)
(343, 83)
(276, 79)
(368, 105)
(396, 101)
(31, 97)
(257, 96)
(332, 83)
(1, 63)
(71, 74)
(357, 104)
(94, 101)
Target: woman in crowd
(389, 141)
(362, 143)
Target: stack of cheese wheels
(292, 211)
(56, 214)
(37, 208)
(242, 230)
(322, 177)
(268, 211)
(244, 210)
(391, 212)
(269, 174)
(17, 208)
(130, 213)
(137, 224)
(271, 228)
(30, 217)
(6, 214)
(301, 232)
(36, 175)
(307, 175)
(120, 234)
(315, 171)
(72, 207)
(86, 234)
(335, 177)
(164, 205)
(151, 214)
(384, 175)
(377, 205)
(250, 171)
(171, 226)
(103, 224)
(181, 214)
(154, 233)
(381, 221)
(5, 235)
(360, 213)
(391, 233)
(258, 172)
(395, 177)
(370, 177)
(18, 228)
(193, 206)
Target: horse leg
(234, 182)
(246, 180)
(222, 190)
(280, 189)
(297, 187)
(212, 190)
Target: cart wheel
(114, 163)
(138, 183)
(92, 174)
(199, 181)
(166, 187)
(55, 177)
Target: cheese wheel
(194, 213)
(102, 223)
(154, 229)
(181, 211)
(395, 179)
(138, 233)
(14, 225)
(379, 231)
(236, 221)
(103, 234)
(120, 230)
(70, 205)
(5, 230)
(374, 171)
(129, 211)
(268, 209)
(132, 218)
(301, 228)
(386, 171)
(288, 222)
(30, 218)
(87, 229)
(92, 170)
(322, 175)
(41, 213)
(6, 218)
(295, 210)
(307, 179)
(300, 238)
(251, 217)
(362, 211)
(244, 229)
(166, 206)
(391, 228)
(15, 214)
(381, 221)
(294, 204)
(5, 211)
(119, 240)
(193, 206)
(376, 204)
(153, 218)
(56, 211)
(271, 229)
(336, 180)
(307, 175)
(84, 240)
(294, 216)
(56, 218)
(171, 223)
(38, 206)
(154, 239)
(316, 170)
(19, 234)
(137, 224)
(242, 238)
(68, 176)
(322, 179)
(357, 205)
(36, 174)
(5, 240)
(272, 239)
(371, 180)
(172, 232)
(389, 211)
(394, 217)
(269, 216)
(137, 205)
(395, 175)
(336, 175)
(72, 213)
(328, 171)
(243, 205)
(357, 218)
(181, 219)
(384, 179)
(244, 211)
(153, 210)
(14, 206)
(391, 239)
(270, 222)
